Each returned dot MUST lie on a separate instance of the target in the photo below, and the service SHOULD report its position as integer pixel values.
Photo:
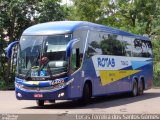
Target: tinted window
(143, 48)
(80, 35)
(128, 45)
(94, 44)
(78, 49)
(111, 44)
(104, 43)
(137, 48)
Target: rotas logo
(106, 62)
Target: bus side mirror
(70, 46)
(9, 48)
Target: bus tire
(52, 101)
(86, 94)
(40, 103)
(140, 88)
(134, 91)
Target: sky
(68, 2)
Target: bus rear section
(119, 62)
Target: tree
(51, 10)
(139, 16)
(87, 10)
(136, 16)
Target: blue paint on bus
(63, 45)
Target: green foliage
(136, 16)
(139, 14)
(156, 81)
(156, 49)
(4, 86)
(87, 10)
(17, 15)
(50, 10)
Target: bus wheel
(134, 89)
(86, 94)
(40, 102)
(140, 89)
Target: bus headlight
(61, 94)
(19, 94)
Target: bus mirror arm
(70, 46)
(9, 48)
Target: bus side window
(73, 60)
(128, 44)
(94, 44)
(78, 49)
(146, 49)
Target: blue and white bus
(70, 60)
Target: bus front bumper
(61, 94)
(42, 90)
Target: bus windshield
(42, 55)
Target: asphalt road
(148, 103)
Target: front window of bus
(41, 56)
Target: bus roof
(64, 27)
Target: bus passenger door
(75, 64)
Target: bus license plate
(38, 95)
